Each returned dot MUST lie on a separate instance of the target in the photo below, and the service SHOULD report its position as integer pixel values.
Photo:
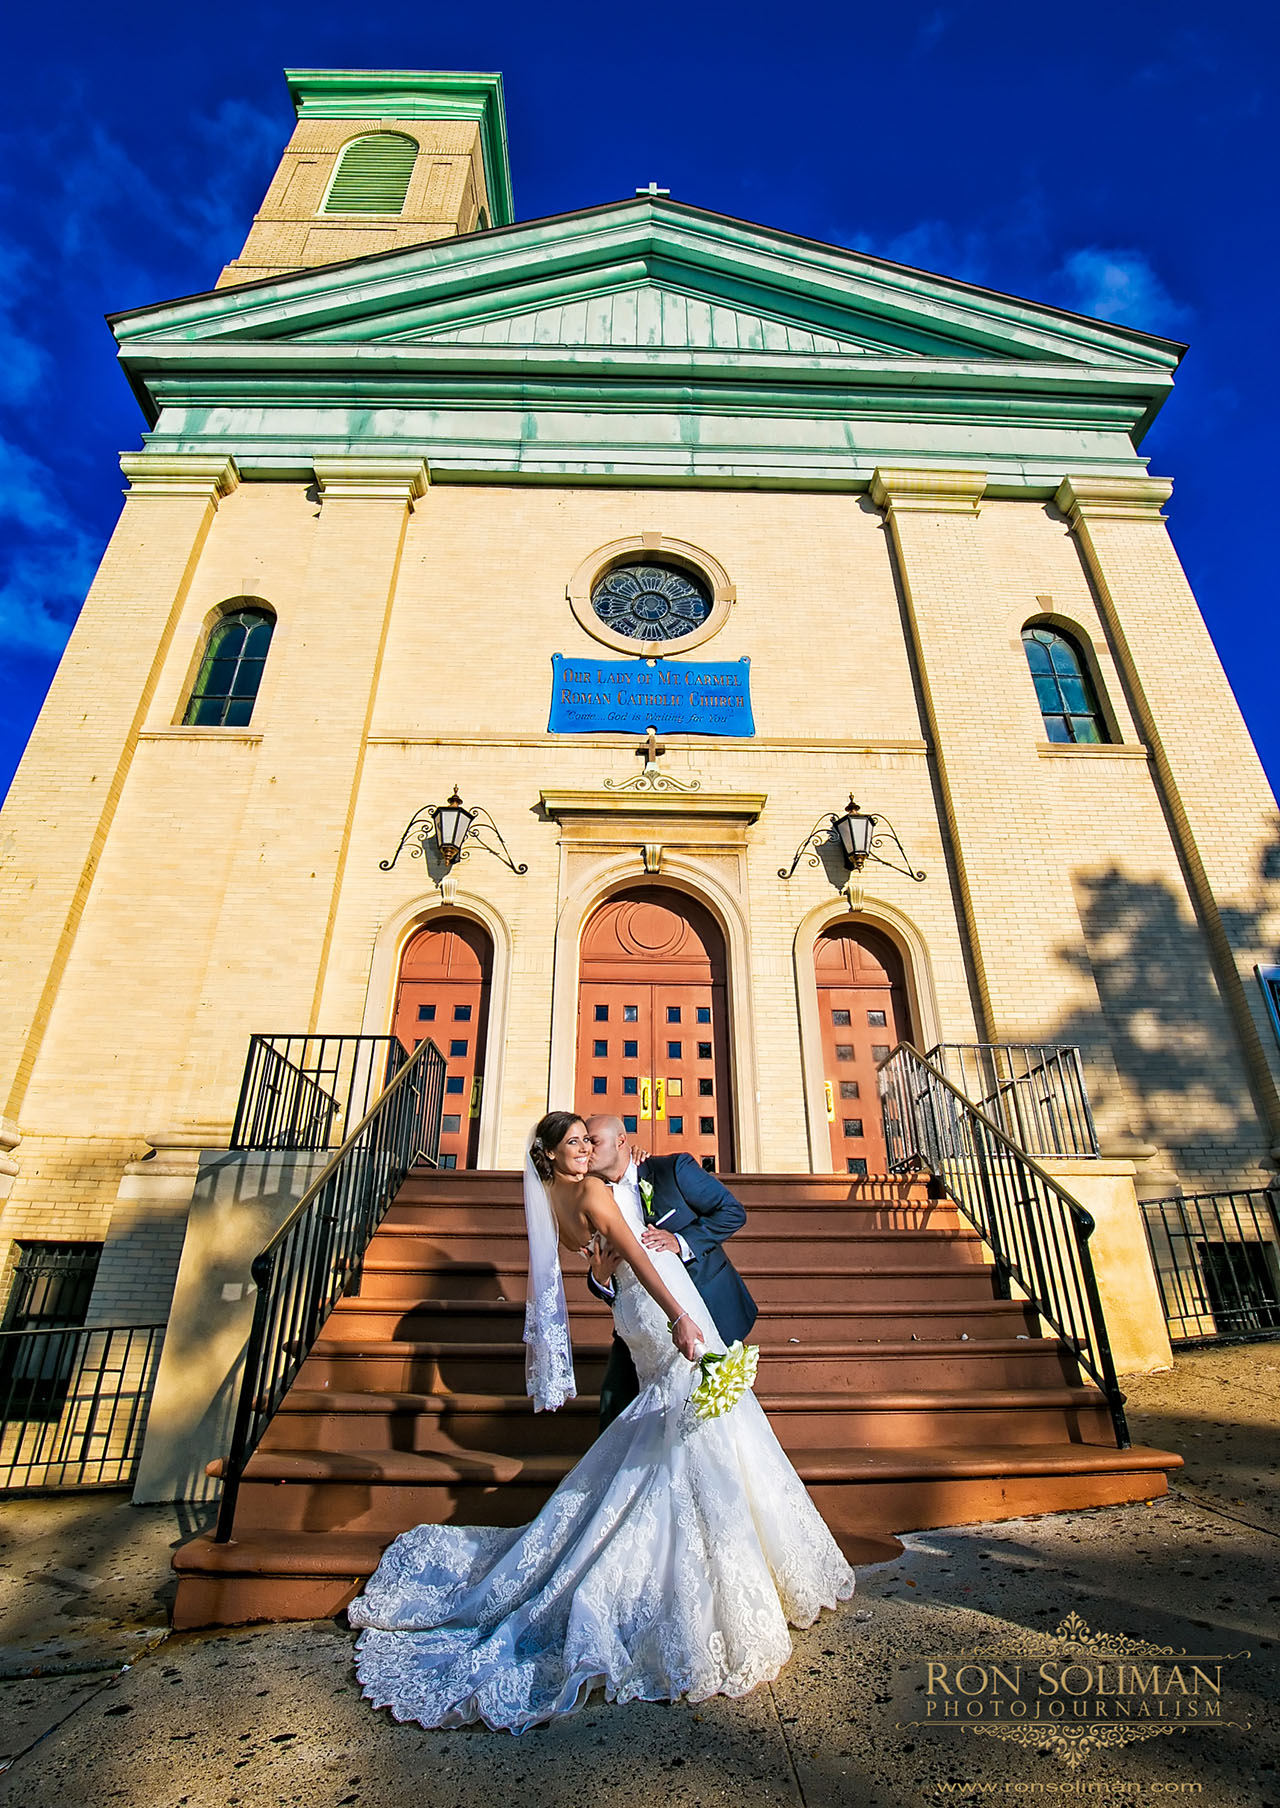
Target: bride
(667, 1564)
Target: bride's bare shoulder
(597, 1198)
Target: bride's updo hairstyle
(547, 1138)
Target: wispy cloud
(23, 360)
(1119, 285)
(938, 246)
(50, 560)
(930, 29)
(111, 234)
(114, 218)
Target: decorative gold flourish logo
(1073, 1691)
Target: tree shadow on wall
(1172, 1033)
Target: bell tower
(379, 159)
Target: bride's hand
(687, 1337)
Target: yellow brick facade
(168, 891)
(200, 885)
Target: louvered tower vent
(373, 176)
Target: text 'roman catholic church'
(663, 663)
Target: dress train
(667, 1564)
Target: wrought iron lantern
(859, 836)
(855, 830)
(454, 822)
(452, 826)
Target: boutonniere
(646, 1197)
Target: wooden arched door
(443, 996)
(862, 1010)
(653, 1032)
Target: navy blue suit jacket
(693, 1204)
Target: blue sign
(626, 696)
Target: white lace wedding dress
(667, 1564)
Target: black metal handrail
(298, 1091)
(317, 1255)
(1038, 1234)
(73, 1404)
(1217, 1263)
(1034, 1091)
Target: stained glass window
(231, 671)
(651, 602)
(1063, 691)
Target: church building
(663, 660)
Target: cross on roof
(654, 191)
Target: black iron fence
(1038, 1234)
(1033, 1091)
(1217, 1263)
(73, 1404)
(306, 1092)
(317, 1255)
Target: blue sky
(1118, 159)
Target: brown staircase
(906, 1393)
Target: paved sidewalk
(272, 1714)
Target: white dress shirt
(627, 1193)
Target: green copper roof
(390, 94)
(644, 341)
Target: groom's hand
(653, 1238)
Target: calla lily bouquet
(724, 1379)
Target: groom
(689, 1211)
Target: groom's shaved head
(612, 1151)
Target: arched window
(1063, 691)
(373, 174)
(231, 670)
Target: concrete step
(750, 1247)
(387, 1277)
(383, 1491)
(798, 1219)
(325, 1420)
(808, 1366)
(463, 1187)
(465, 1321)
(313, 1575)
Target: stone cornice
(416, 350)
(723, 806)
(928, 492)
(179, 474)
(1137, 498)
(362, 479)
